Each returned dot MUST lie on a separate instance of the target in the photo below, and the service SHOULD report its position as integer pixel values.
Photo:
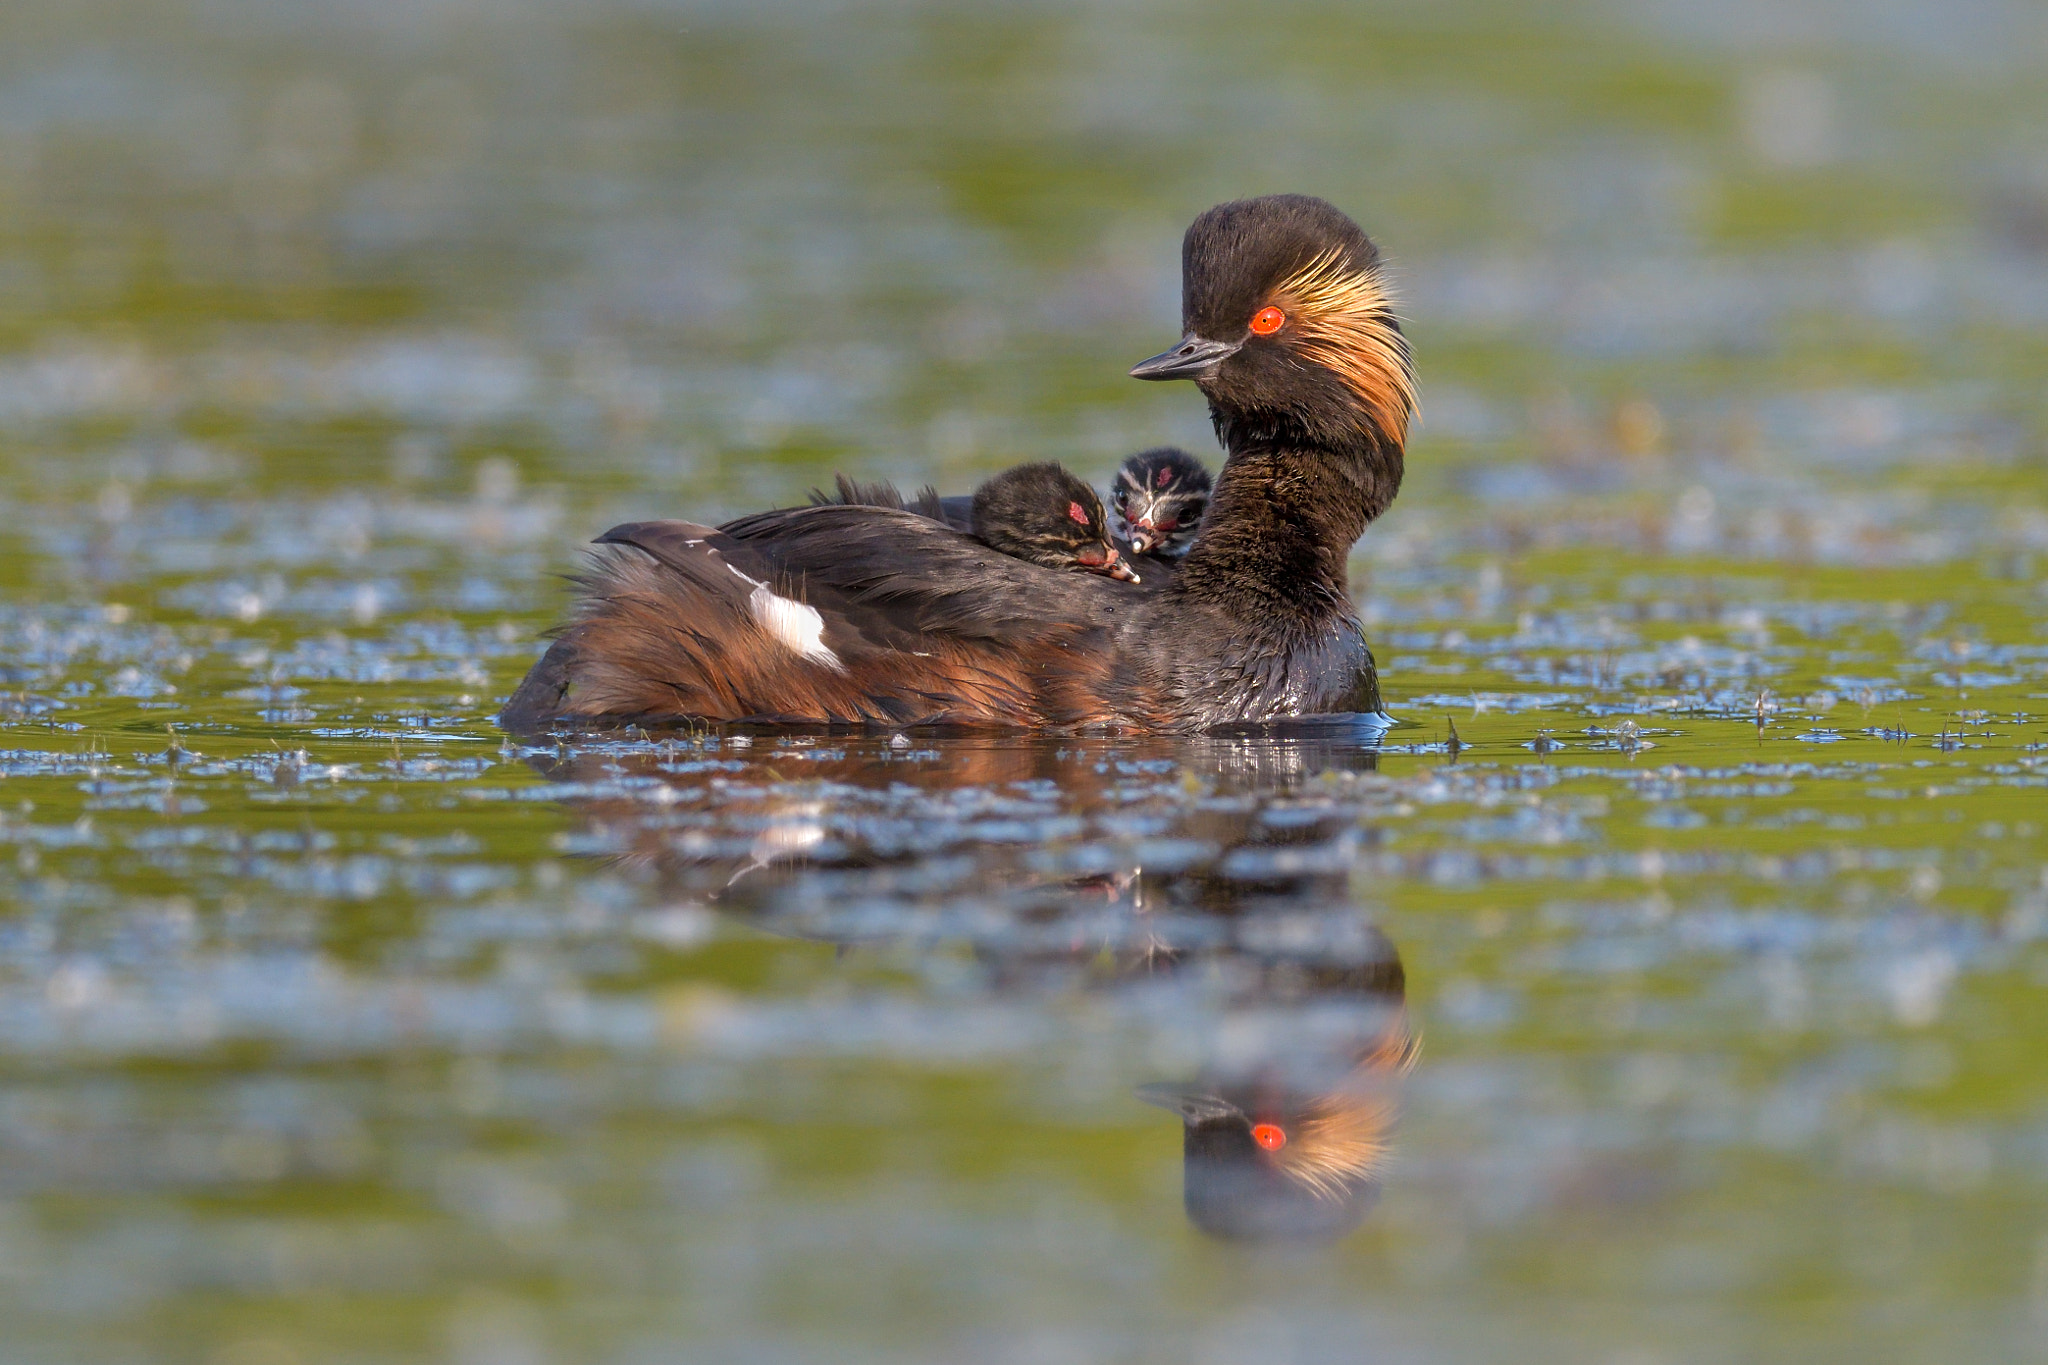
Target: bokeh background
(330, 328)
(692, 255)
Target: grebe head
(1286, 316)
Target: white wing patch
(797, 624)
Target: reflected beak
(1193, 358)
(1193, 1103)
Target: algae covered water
(1665, 986)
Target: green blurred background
(700, 252)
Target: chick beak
(1145, 536)
(1116, 566)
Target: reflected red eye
(1074, 511)
(1267, 321)
(1271, 1136)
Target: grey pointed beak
(1194, 357)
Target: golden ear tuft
(1344, 320)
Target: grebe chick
(1041, 513)
(1158, 498)
(1035, 512)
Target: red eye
(1271, 1136)
(1267, 321)
(1165, 478)
(1074, 511)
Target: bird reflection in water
(1286, 1132)
(1219, 863)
